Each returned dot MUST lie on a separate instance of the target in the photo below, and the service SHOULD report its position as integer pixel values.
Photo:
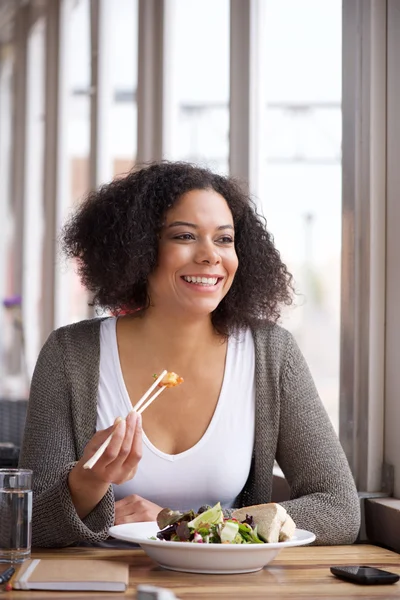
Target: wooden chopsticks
(139, 407)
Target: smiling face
(197, 260)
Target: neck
(176, 336)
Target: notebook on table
(78, 575)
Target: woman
(180, 254)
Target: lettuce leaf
(169, 517)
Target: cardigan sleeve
(48, 449)
(324, 497)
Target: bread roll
(269, 519)
(287, 530)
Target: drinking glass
(15, 515)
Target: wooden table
(295, 573)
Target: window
(197, 88)
(300, 183)
(120, 68)
(33, 193)
(71, 297)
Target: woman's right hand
(120, 459)
(118, 463)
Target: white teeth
(202, 280)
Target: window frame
(362, 368)
(6, 140)
(370, 377)
(246, 98)
(392, 379)
(151, 91)
(51, 164)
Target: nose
(207, 254)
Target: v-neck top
(216, 468)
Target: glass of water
(15, 515)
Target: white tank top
(217, 467)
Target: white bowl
(205, 558)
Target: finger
(124, 510)
(112, 451)
(131, 517)
(127, 500)
(100, 436)
(116, 464)
(129, 504)
(129, 435)
(135, 453)
(122, 519)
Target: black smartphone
(365, 575)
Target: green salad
(206, 527)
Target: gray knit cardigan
(291, 426)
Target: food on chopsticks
(163, 382)
(171, 379)
(272, 523)
(139, 407)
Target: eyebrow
(194, 226)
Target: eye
(184, 236)
(225, 239)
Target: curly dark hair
(115, 231)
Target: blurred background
(89, 88)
